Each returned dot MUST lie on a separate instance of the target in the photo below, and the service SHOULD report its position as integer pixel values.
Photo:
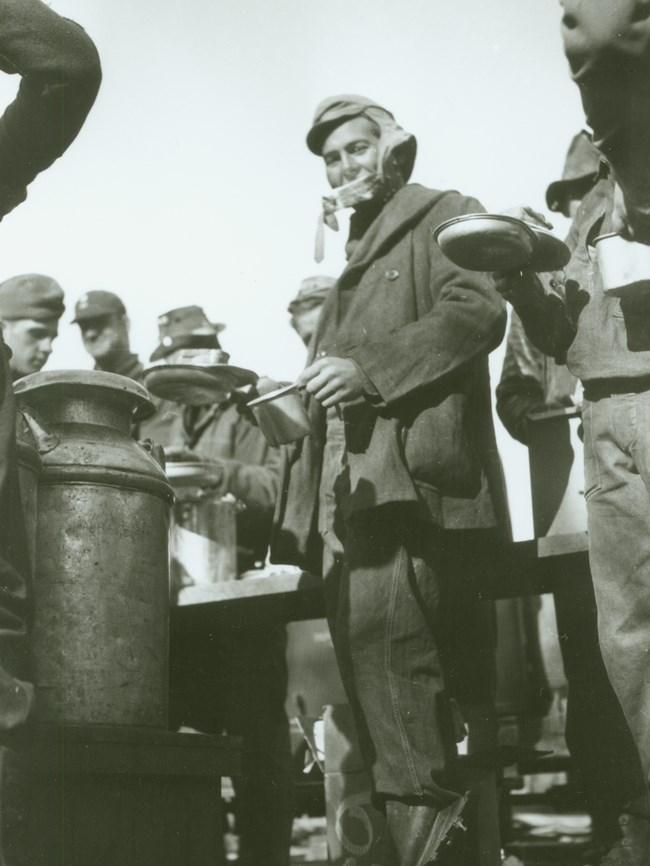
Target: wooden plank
(130, 751)
(495, 568)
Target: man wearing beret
(104, 327)
(306, 307)
(30, 308)
(399, 467)
(236, 679)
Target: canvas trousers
(617, 490)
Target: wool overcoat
(420, 329)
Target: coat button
(392, 274)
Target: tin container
(100, 638)
(281, 415)
(204, 528)
(624, 266)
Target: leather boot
(421, 832)
(633, 849)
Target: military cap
(313, 290)
(580, 170)
(95, 304)
(31, 296)
(185, 328)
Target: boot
(633, 849)
(422, 831)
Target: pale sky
(191, 182)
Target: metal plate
(192, 385)
(495, 242)
(486, 242)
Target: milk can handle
(45, 440)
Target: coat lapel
(406, 207)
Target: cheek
(370, 160)
(334, 175)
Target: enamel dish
(194, 385)
(495, 242)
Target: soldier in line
(30, 308)
(396, 469)
(597, 734)
(104, 326)
(235, 681)
(305, 308)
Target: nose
(45, 346)
(349, 166)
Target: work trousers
(617, 490)
(383, 592)
(235, 681)
(597, 734)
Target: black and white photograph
(324, 433)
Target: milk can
(102, 568)
(204, 534)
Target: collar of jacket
(129, 366)
(405, 208)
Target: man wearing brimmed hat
(600, 325)
(306, 307)
(609, 774)
(104, 326)
(236, 680)
(400, 454)
(30, 308)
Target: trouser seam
(391, 677)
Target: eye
(331, 158)
(360, 147)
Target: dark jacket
(60, 73)
(420, 329)
(530, 382)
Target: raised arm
(61, 74)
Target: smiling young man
(396, 471)
(30, 308)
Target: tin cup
(624, 266)
(281, 415)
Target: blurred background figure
(30, 308)
(306, 306)
(104, 327)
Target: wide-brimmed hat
(580, 171)
(186, 328)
